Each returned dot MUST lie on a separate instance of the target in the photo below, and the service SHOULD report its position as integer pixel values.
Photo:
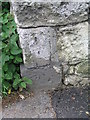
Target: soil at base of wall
(15, 97)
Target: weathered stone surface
(76, 80)
(82, 68)
(72, 42)
(43, 78)
(51, 32)
(34, 13)
(38, 45)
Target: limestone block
(29, 13)
(43, 78)
(38, 45)
(72, 43)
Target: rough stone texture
(53, 32)
(43, 78)
(72, 42)
(71, 102)
(38, 106)
(76, 80)
(35, 13)
(38, 45)
(72, 47)
(82, 68)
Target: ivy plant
(11, 53)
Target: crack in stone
(74, 23)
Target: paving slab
(38, 106)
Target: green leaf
(28, 81)
(1, 14)
(12, 68)
(18, 59)
(14, 38)
(5, 19)
(4, 58)
(6, 85)
(15, 51)
(2, 45)
(11, 52)
(9, 75)
(4, 35)
(3, 74)
(16, 82)
(23, 85)
(1, 20)
(16, 75)
(11, 57)
(5, 67)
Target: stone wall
(54, 34)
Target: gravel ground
(62, 103)
(71, 102)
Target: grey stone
(38, 45)
(50, 32)
(72, 80)
(84, 82)
(29, 13)
(82, 68)
(65, 68)
(43, 78)
(72, 43)
(72, 70)
(76, 80)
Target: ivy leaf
(28, 81)
(12, 68)
(4, 58)
(14, 38)
(1, 14)
(6, 85)
(3, 36)
(11, 57)
(16, 51)
(9, 75)
(23, 84)
(16, 82)
(0, 75)
(5, 20)
(18, 59)
(16, 75)
(1, 20)
(5, 67)
(2, 45)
